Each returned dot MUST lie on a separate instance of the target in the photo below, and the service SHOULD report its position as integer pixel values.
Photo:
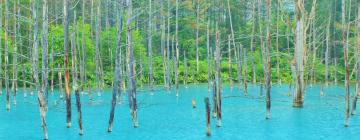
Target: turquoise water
(162, 115)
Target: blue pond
(162, 115)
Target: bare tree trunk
(347, 86)
(151, 78)
(168, 48)
(66, 57)
(268, 61)
(44, 50)
(207, 108)
(83, 61)
(208, 55)
(162, 40)
(60, 86)
(277, 46)
(117, 81)
(327, 52)
(357, 84)
(298, 100)
(53, 65)
(75, 76)
(245, 73)
(6, 55)
(97, 51)
(131, 66)
(230, 63)
(185, 70)
(197, 35)
(14, 81)
(35, 57)
(218, 79)
(177, 48)
(253, 43)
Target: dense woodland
(78, 46)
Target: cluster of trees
(124, 44)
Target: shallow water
(162, 115)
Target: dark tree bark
(66, 61)
(117, 81)
(207, 108)
(218, 79)
(268, 61)
(131, 66)
(75, 76)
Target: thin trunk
(117, 80)
(151, 78)
(230, 62)
(6, 55)
(131, 66)
(75, 75)
(52, 65)
(177, 48)
(253, 43)
(327, 52)
(208, 54)
(162, 40)
(245, 73)
(44, 53)
(345, 46)
(60, 85)
(83, 61)
(66, 61)
(14, 83)
(35, 63)
(207, 108)
(168, 48)
(197, 35)
(277, 46)
(185, 70)
(218, 79)
(268, 61)
(97, 51)
(357, 84)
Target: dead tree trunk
(66, 61)
(117, 80)
(298, 100)
(208, 55)
(177, 48)
(277, 46)
(230, 63)
(347, 86)
(168, 47)
(207, 108)
(253, 43)
(218, 79)
(268, 61)
(131, 66)
(6, 55)
(327, 52)
(44, 57)
(60, 85)
(75, 76)
(97, 51)
(197, 35)
(185, 70)
(14, 81)
(83, 59)
(357, 84)
(151, 78)
(1, 51)
(245, 73)
(35, 63)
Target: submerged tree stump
(207, 107)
